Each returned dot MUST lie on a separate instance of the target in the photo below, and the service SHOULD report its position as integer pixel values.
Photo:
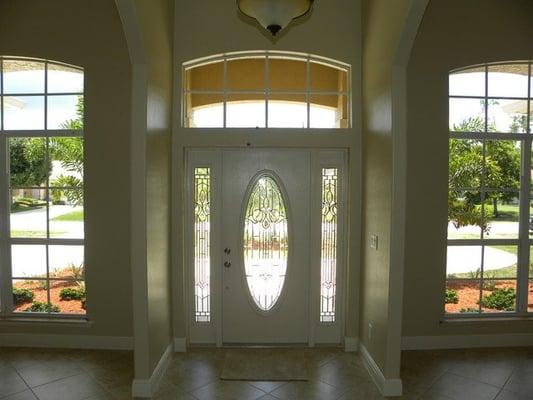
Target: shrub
(469, 310)
(500, 299)
(37, 306)
(84, 303)
(71, 294)
(21, 296)
(451, 296)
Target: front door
(265, 246)
(265, 241)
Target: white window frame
(293, 56)
(6, 297)
(523, 242)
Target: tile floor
(498, 374)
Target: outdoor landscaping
(66, 296)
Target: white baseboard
(351, 344)
(387, 387)
(146, 388)
(466, 341)
(180, 345)
(66, 341)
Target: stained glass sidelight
(202, 244)
(328, 259)
(265, 243)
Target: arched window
(42, 196)
(266, 90)
(490, 195)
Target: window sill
(483, 320)
(43, 321)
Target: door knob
(227, 264)
(227, 250)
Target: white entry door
(265, 246)
(265, 241)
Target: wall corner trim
(86, 342)
(387, 387)
(146, 388)
(466, 341)
(351, 344)
(180, 345)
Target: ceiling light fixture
(275, 15)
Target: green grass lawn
(74, 216)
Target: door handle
(227, 250)
(227, 264)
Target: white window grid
(6, 241)
(523, 242)
(267, 55)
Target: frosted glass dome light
(275, 15)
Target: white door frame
(211, 333)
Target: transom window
(266, 90)
(490, 198)
(42, 196)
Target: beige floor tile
(26, 395)
(77, 387)
(506, 395)
(173, 393)
(313, 390)
(46, 371)
(10, 382)
(460, 388)
(521, 382)
(267, 387)
(228, 390)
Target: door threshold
(264, 345)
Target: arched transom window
(266, 90)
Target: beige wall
(155, 19)
(383, 25)
(333, 30)
(88, 33)
(454, 33)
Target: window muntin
(266, 90)
(489, 197)
(41, 130)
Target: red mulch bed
(469, 296)
(68, 307)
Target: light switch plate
(374, 242)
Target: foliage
(28, 165)
(451, 296)
(38, 306)
(76, 272)
(69, 150)
(21, 296)
(26, 203)
(67, 294)
(469, 310)
(499, 167)
(500, 299)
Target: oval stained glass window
(265, 242)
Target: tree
(28, 165)
(499, 167)
(69, 152)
